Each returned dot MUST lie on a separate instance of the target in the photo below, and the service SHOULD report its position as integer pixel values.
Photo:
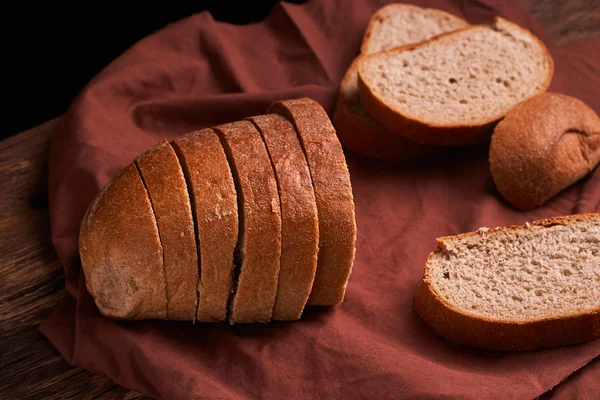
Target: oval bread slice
(333, 194)
(259, 244)
(214, 205)
(518, 287)
(120, 251)
(299, 222)
(162, 175)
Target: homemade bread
(299, 222)
(120, 251)
(392, 26)
(517, 287)
(333, 194)
(259, 243)
(452, 89)
(214, 206)
(544, 145)
(163, 178)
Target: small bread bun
(542, 146)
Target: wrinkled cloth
(199, 72)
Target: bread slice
(162, 175)
(299, 222)
(120, 251)
(392, 26)
(398, 24)
(214, 206)
(452, 89)
(259, 243)
(333, 194)
(517, 287)
(545, 144)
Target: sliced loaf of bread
(517, 287)
(392, 26)
(452, 89)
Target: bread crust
(166, 186)
(214, 203)
(425, 132)
(514, 335)
(333, 194)
(545, 144)
(300, 225)
(363, 135)
(375, 20)
(259, 242)
(120, 251)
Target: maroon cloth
(197, 73)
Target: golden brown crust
(300, 225)
(362, 135)
(166, 186)
(216, 217)
(333, 194)
(544, 144)
(260, 219)
(422, 131)
(374, 21)
(484, 332)
(120, 251)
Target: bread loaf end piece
(516, 288)
(300, 224)
(259, 244)
(121, 253)
(214, 206)
(333, 194)
(545, 144)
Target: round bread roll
(542, 146)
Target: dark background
(50, 52)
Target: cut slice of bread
(214, 206)
(392, 26)
(398, 24)
(162, 175)
(333, 194)
(452, 89)
(259, 243)
(517, 287)
(120, 250)
(300, 225)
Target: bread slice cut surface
(120, 250)
(259, 244)
(214, 205)
(517, 288)
(300, 225)
(333, 194)
(167, 188)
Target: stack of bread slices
(244, 222)
(425, 79)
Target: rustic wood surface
(31, 279)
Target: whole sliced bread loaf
(516, 287)
(392, 26)
(452, 89)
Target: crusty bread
(517, 287)
(359, 133)
(333, 194)
(259, 243)
(120, 251)
(214, 206)
(544, 145)
(162, 175)
(398, 24)
(451, 90)
(392, 26)
(299, 222)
